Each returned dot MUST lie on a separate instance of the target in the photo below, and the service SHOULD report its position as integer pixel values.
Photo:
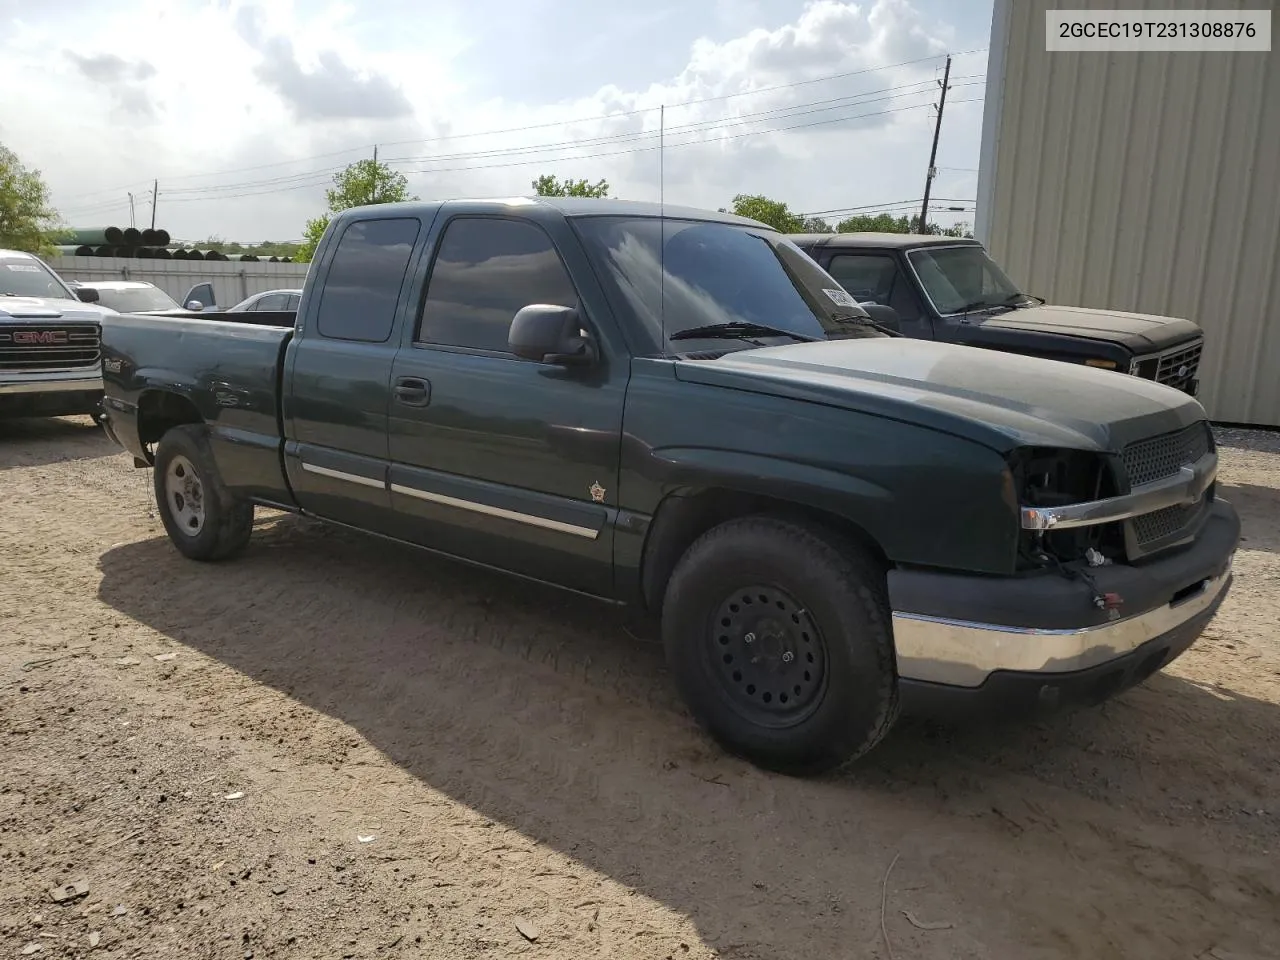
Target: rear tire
(779, 637)
(203, 518)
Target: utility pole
(155, 194)
(933, 153)
(131, 221)
(374, 189)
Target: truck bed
(263, 318)
(234, 386)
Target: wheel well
(683, 518)
(158, 412)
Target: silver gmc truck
(50, 354)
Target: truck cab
(949, 289)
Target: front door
(879, 278)
(500, 460)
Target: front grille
(1165, 524)
(1162, 456)
(1177, 368)
(48, 346)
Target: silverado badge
(597, 492)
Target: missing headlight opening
(1045, 477)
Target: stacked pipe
(148, 244)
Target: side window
(867, 277)
(294, 300)
(362, 287)
(485, 271)
(272, 301)
(876, 277)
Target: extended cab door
(338, 370)
(499, 460)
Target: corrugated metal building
(1142, 181)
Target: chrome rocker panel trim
(963, 654)
(1183, 488)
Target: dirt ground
(335, 748)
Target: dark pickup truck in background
(679, 409)
(949, 289)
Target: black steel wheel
(769, 655)
(778, 634)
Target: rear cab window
(361, 291)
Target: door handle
(413, 391)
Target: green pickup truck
(681, 410)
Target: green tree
(773, 212)
(815, 225)
(876, 223)
(548, 185)
(361, 183)
(887, 223)
(27, 221)
(267, 248)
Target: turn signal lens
(1104, 364)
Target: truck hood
(1140, 332)
(48, 308)
(997, 399)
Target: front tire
(203, 518)
(779, 637)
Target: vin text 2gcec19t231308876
(681, 410)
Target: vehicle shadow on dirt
(40, 442)
(556, 717)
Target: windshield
(963, 278)
(22, 276)
(717, 273)
(135, 299)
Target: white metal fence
(232, 280)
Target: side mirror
(545, 333)
(885, 316)
(201, 294)
(87, 294)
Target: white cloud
(244, 110)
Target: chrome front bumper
(962, 653)
(48, 383)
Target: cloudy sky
(244, 110)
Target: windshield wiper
(868, 322)
(1006, 303)
(739, 331)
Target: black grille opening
(48, 346)
(1162, 456)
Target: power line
(555, 123)
(592, 156)
(286, 187)
(838, 211)
(795, 110)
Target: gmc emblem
(40, 336)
